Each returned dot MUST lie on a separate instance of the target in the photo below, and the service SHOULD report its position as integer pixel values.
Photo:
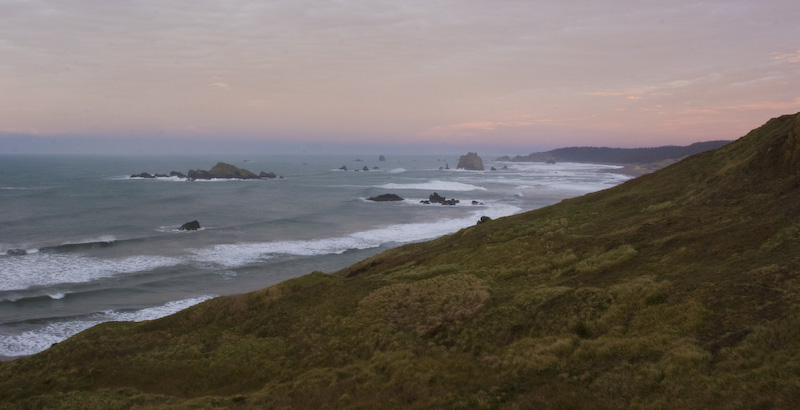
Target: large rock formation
(471, 161)
(222, 171)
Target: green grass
(678, 289)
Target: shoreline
(10, 358)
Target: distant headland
(637, 161)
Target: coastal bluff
(678, 289)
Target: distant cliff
(617, 155)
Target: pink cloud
(756, 106)
(221, 85)
(607, 93)
(473, 128)
(790, 57)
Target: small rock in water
(190, 226)
(385, 197)
(16, 252)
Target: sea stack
(190, 226)
(471, 162)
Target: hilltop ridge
(677, 289)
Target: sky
(509, 76)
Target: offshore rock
(143, 175)
(270, 175)
(190, 226)
(385, 198)
(436, 198)
(222, 171)
(471, 162)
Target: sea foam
(47, 269)
(34, 341)
(434, 185)
(240, 254)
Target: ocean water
(101, 246)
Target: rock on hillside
(471, 161)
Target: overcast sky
(519, 75)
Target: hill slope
(678, 289)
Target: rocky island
(219, 171)
(222, 171)
(471, 162)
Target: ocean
(82, 242)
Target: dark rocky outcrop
(16, 252)
(222, 171)
(190, 226)
(471, 162)
(366, 168)
(381, 158)
(198, 174)
(150, 176)
(386, 198)
(436, 198)
(484, 219)
(270, 175)
(343, 168)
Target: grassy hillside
(678, 289)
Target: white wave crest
(435, 185)
(47, 269)
(34, 341)
(235, 255)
